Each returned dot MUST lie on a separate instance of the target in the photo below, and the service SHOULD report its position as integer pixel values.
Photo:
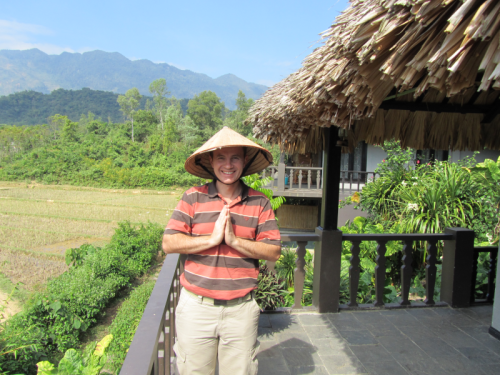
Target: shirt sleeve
(181, 220)
(267, 228)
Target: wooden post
(281, 173)
(328, 251)
(457, 267)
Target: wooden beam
(436, 107)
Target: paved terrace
(407, 341)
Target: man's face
(228, 164)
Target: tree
(187, 132)
(69, 131)
(159, 89)
(129, 103)
(56, 123)
(236, 119)
(206, 111)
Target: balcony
(433, 337)
(307, 182)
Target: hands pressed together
(223, 229)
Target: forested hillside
(31, 107)
(149, 150)
(99, 70)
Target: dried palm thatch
(424, 51)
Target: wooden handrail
(151, 347)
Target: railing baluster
(350, 180)
(491, 275)
(300, 178)
(318, 178)
(474, 276)
(291, 179)
(172, 333)
(406, 271)
(167, 333)
(322, 179)
(380, 273)
(359, 180)
(354, 272)
(343, 180)
(309, 179)
(299, 274)
(270, 266)
(161, 354)
(430, 272)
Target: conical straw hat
(198, 164)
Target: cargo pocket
(180, 359)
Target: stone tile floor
(407, 341)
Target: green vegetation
(148, 152)
(125, 323)
(32, 108)
(411, 197)
(71, 292)
(90, 363)
(54, 320)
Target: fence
(311, 178)
(151, 349)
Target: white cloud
(21, 36)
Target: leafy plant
(271, 291)
(73, 363)
(257, 183)
(285, 266)
(73, 301)
(74, 257)
(488, 175)
(125, 324)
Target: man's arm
(252, 249)
(184, 244)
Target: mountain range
(110, 71)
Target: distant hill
(35, 70)
(31, 107)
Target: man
(224, 227)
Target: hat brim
(198, 164)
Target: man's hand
(229, 236)
(220, 227)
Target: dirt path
(10, 309)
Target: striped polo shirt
(221, 272)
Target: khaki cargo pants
(206, 332)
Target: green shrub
(74, 300)
(73, 363)
(271, 291)
(125, 324)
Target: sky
(258, 41)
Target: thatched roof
(422, 71)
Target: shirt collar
(212, 190)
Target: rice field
(38, 223)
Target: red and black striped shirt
(221, 272)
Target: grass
(38, 223)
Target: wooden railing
(493, 251)
(407, 241)
(151, 350)
(311, 178)
(359, 178)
